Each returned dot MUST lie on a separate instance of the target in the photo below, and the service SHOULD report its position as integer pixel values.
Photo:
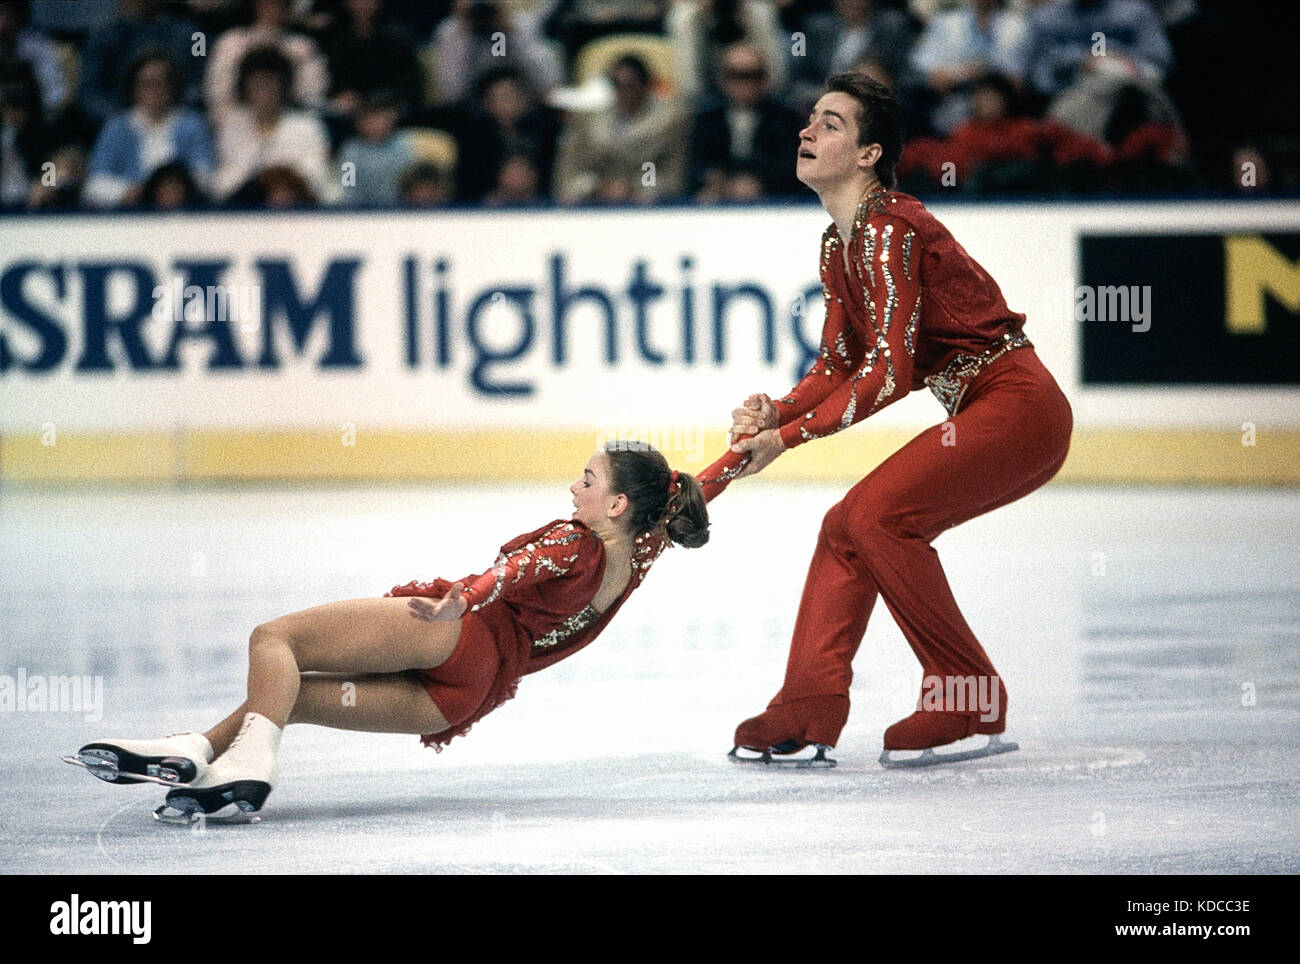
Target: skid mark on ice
(99, 835)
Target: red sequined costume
(531, 609)
(911, 308)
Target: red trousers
(1009, 436)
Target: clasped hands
(754, 429)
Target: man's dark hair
(880, 120)
(635, 64)
(270, 60)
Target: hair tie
(673, 485)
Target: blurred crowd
(287, 103)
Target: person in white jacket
(263, 132)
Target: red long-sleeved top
(910, 308)
(537, 603)
(539, 592)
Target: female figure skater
(430, 657)
(906, 306)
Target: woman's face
(506, 101)
(264, 91)
(593, 495)
(828, 146)
(170, 194)
(152, 92)
(629, 92)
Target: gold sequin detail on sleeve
(560, 535)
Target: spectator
(156, 131)
(170, 188)
(744, 147)
(278, 187)
(311, 77)
(999, 151)
(1151, 153)
(61, 190)
(261, 132)
(701, 30)
(960, 45)
(416, 18)
(20, 42)
(836, 41)
(24, 139)
(632, 150)
(506, 121)
(1084, 53)
(141, 25)
(576, 23)
(378, 153)
(366, 58)
(483, 34)
(518, 181)
(426, 185)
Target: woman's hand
(763, 448)
(756, 415)
(447, 609)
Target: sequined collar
(873, 203)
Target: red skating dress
(531, 609)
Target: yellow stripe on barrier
(1208, 456)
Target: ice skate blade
(103, 765)
(929, 758)
(188, 818)
(818, 761)
(247, 795)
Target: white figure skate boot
(244, 775)
(174, 760)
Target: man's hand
(763, 449)
(447, 609)
(756, 415)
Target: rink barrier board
(1169, 456)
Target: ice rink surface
(1149, 640)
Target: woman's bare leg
(358, 636)
(383, 703)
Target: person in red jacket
(430, 658)
(906, 307)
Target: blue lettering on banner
(641, 293)
(336, 298)
(521, 298)
(100, 324)
(105, 308)
(202, 276)
(49, 333)
(111, 335)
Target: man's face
(744, 78)
(828, 146)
